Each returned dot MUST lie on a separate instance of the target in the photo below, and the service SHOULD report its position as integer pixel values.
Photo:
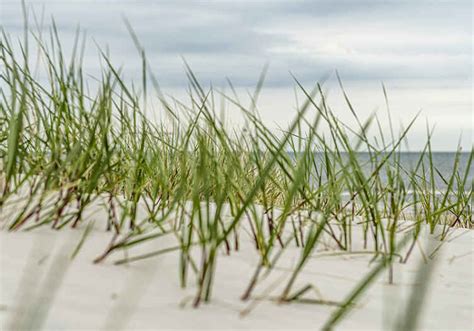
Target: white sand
(147, 294)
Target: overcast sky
(422, 50)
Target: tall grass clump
(66, 147)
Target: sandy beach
(147, 294)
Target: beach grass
(65, 146)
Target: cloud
(414, 44)
(365, 40)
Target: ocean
(444, 162)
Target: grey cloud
(414, 45)
(228, 38)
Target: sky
(421, 50)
